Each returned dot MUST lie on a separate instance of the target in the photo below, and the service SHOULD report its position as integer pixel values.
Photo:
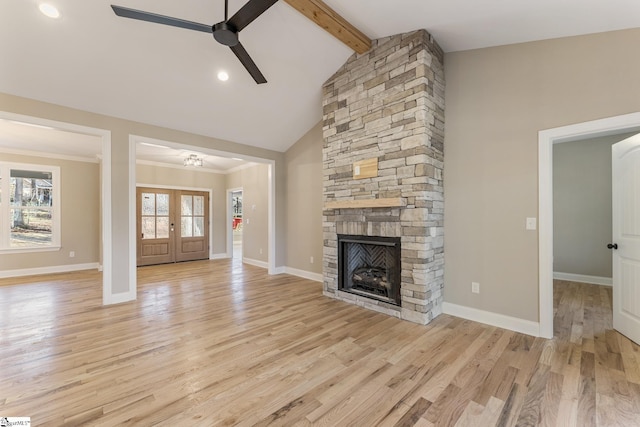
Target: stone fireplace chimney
(383, 161)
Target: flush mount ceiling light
(49, 10)
(223, 76)
(193, 160)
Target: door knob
(612, 246)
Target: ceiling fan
(225, 32)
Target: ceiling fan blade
(250, 11)
(141, 15)
(248, 63)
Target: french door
(172, 225)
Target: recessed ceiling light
(223, 76)
(49, 10)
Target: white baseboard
(255, 262)
(48, 270)
(316, 277)
(582, 278)
(494, 319)
(219, 256)
(279, 270)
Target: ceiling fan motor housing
(225, 34)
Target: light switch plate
(531, 224)
(475, 287)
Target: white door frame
(546, 139)
(105, 189)
(201, 189)
(271, 217)
(133, 139)
(229, 220)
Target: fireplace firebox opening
(369, 266)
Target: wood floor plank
(587, 398)
(471, 415)
(414, 413)
(531, 412)
(551, 399)
(491, 413)
(222, 343)
(512, 406)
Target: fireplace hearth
(370, 267)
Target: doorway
(106, 235)
(546, 140)
(582, 206)
(236, 224)
(172, 225)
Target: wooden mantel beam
(336, 25)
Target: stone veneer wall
(389, 103)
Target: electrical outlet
(72, 254)
(260, 251)
(475, 287)
(311, 260)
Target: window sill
(30, 250)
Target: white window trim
(5, 220)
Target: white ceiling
(92, 60)
(19, 137)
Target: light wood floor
(217, 343)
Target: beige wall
(119, 205)
(582, 206)
(80, 216)
(193, 178)
(497, 99)
(304, 202)
(255, 209)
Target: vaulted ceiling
(92, 60)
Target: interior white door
(626, 237)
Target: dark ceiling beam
(336, 25)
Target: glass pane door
(192, 216)
(155, 241)
(155, 216)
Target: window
(29, 207)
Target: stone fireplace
(383, 159)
